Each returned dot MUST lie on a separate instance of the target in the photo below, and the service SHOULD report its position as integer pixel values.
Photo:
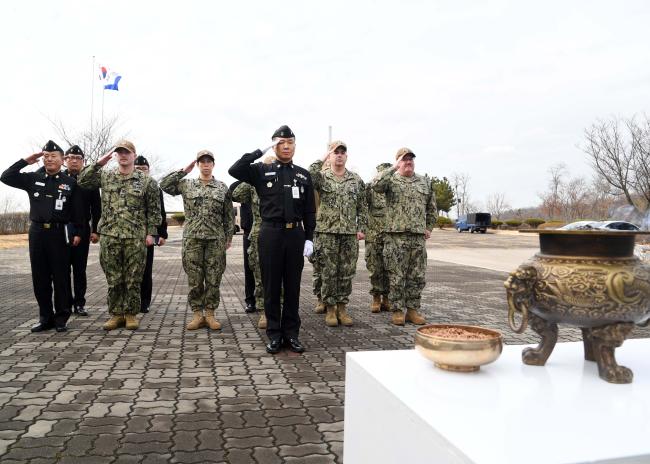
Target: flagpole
(103, 93)
(92, 103)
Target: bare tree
(95, 142)
(460, 183)
(496, 204)
(551, 199)
(613, 153)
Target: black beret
(283, 132)
(141, 161)
(75, 150)
(51, 146)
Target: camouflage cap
(382, 166)
(126, 145)
(74, 150)
(203, 153)
(403, 151)
(336, 144)
(51, 146)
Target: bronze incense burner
(588, 279)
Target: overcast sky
(500, 90)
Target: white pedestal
(399, 408)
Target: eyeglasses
(75, 157)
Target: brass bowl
(457, 354)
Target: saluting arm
(14, 178)
(171, 183)
(90, 177)
(244, 170)
(382, 183)
(315, 169)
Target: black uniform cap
(283, 132)
(51, 146)
(74, 150)
(141, 161)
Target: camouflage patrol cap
(382, 166)
(283, 132)
(402, 152)
(51, 146)
(74, 150)
(203, 153)
(126, 145)
(336, 144)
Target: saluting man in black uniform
(91, 204)
(54, 203)
(288, 216)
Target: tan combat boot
(398, 317)
(385, 304)
(415, 317)
(320, 307)
(131, 322)
(375, 306)
(261, 324)
(342, 315)
(330, 318)
(197, 321)
(114, 322)
(211, 321)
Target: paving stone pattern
(162, 394)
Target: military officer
(374, 253)
(246, 223)
(410, 218)
(92, 209)
(54, 203)
(207, 234)
(288, 220)
(340, 223)
(142, 164)
(130, 217)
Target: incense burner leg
(548, 331)
(605, 340)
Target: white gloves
(309, 248)
(275, 142)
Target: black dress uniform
(146, 288)
(288, 216)
(246, 223)
(91, 204)
(54, 203)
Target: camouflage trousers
(317, 281)
(123, 261)
(405, 257)
(254, 264)
(375, 265)
(204, 261)
(336, 256)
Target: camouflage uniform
(411, 209)
(375, 239)
(342, 213)
(130, 212)
(209, 227)
(245, 193)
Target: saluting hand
(189, 167)
(31, 159)
(271, 146)
(106, 158)
(327, 155)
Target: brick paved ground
(161, 394)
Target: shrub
(496, 224)
(14, 223)
(178, 217)
(513, 222)
(443, 221)
(552, 225)
(534, 222)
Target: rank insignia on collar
(302, 176)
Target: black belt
(281, 225)
(49, 225)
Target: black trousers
(147, 280)
(249, 278)
(79, 260)
(281, 262)
(49, 256)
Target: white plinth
(399, 408)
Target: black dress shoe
(80, 311)
(145, 310)
(274, 346)
(61, 328)
(40, 327)
(295, 345)
(250, 308)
